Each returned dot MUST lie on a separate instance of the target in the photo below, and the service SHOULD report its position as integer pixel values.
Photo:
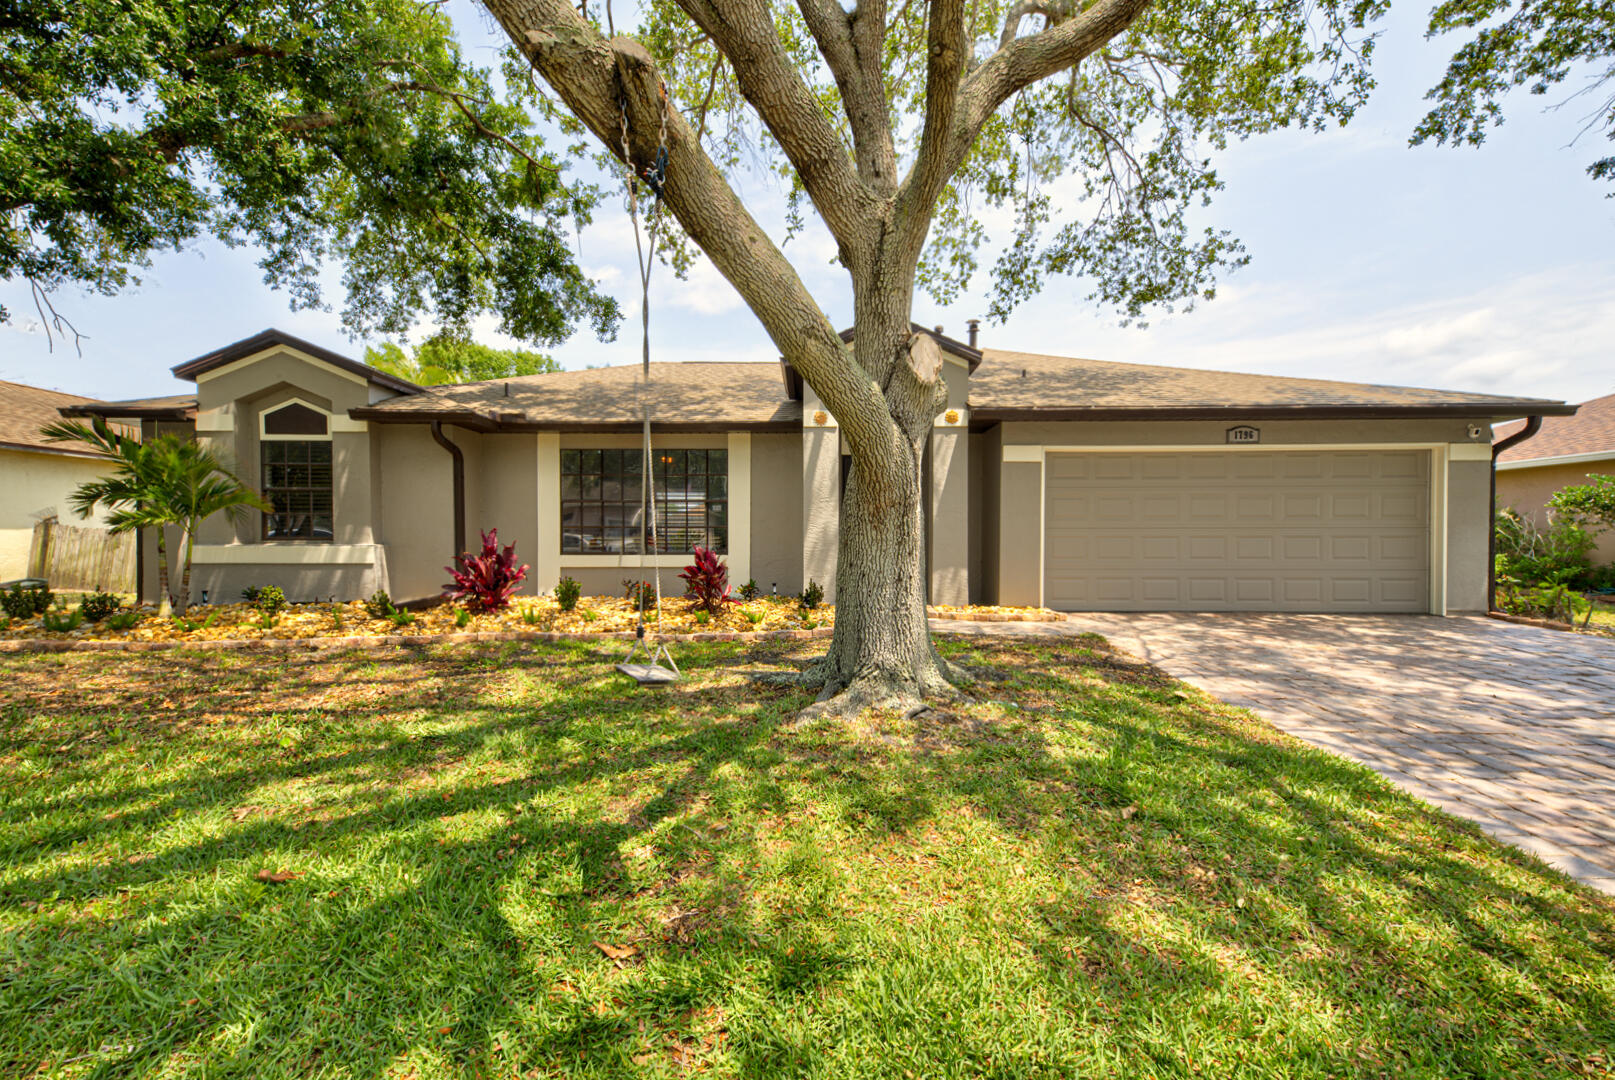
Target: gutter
(459, 484)
(1533, 424)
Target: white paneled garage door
(1242, 530)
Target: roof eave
(501, 425)
(131, 412)
(1428, 411)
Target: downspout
(1533, 424)
(459, 484)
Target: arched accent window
(295, 451)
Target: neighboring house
(1564, 453)
(36, 476)
(1078, 484)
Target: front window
(297, 482)
(603, 504)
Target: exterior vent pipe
(1533, 424)
(459, 484)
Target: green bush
(98, 605)
(812, 596)
(21, 603)
(400, 618)
(462, 618)
(271, 599)
(60, 622)
(250, 594)
(750, 591)
(380, 605)
(567, 591)
(122, 620)
(1557, 603)
(1532, 555)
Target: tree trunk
(164, 599)
(182, 601)
(881, 655)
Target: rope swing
(655, 666)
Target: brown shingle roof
(1590, 431)
(24, 410)
(714, 395)
(1015, 383)
(175, 407)
(271, 338)
(1007, 385)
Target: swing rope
(649, 540)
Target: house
(1565, 452)
(36, 476)
(1077, 484)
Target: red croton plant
(706, 581)
(485, 582)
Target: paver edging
(1523, 620)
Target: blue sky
(1489, 270)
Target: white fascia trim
(1032, 454)
(300, 554)
(1560, 459)
(347, 425)
(303, 356)
(1460, 451)
(218, 421)
(1243, 448)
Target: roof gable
(272, 339)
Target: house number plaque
(1244, 435)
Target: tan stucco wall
(776, 512)
(1527, 490)
(1016, 566)
(32, 487)
(507, 500)
(417, 518)
(949, 556)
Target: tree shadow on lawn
(1114, 874)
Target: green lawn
(1094, 871)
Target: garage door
(1238, 531)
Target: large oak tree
(1083, 124)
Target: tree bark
(164, 597)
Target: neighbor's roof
(272, 338)
(690, 395)
(24, 410)
(177, 407)
(1016, 385)
(1590, 431)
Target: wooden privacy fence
(75, 558)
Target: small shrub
(639, 592)
(530, 616)
(706, 582)
(62, 622)
(380, 605)
(702, 618)
(809, 624)
(750, 591)
(754, 617)
(21, 603)
(400, 618)
(98, 605)
(249, 595)
(485, 582)
(1556, 555)
(812, 596)
(462, 618)
(336, 618)
(588, 616)
(1555, 603)
(271, 600)
(266, 620)
(121, 620)
(187, 626)
(5, 623)
(567, 591)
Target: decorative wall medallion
(820, 417)
(1244, 434)
(951, 416)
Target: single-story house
(1565, 452)
(37, 476)
(1076, 484)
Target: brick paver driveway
(1510, 726)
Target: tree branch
(597, 79)
(744, 31)
(851, 43)
(946, 51)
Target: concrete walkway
(1510, 726)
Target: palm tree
(165, 481)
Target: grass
(507, 862)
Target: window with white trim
(295, 455)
